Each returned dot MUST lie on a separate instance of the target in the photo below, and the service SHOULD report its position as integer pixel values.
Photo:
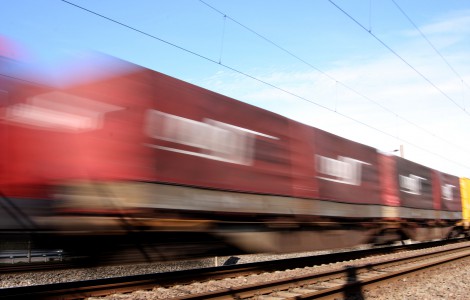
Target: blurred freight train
(135, 151)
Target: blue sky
(351, 78)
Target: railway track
(345, 283)
(350, 278)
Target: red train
(137, 150)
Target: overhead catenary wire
(431, 44)
(400, 57)
(337, 82)
(263, 82)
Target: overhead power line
(400, 57)
(290, 53)
(263, 82)
(430, 44)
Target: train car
(427, 203)
(168, 156)
(465, 193)
(139, 151)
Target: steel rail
(334, 284)
(74, 262)
(103, 287)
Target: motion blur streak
(216, 140)
(60, 112)
(116, 155)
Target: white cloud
(457, 24)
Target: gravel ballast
(447, 282)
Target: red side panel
(345, 171)
(448, 191)
(143, 126)
(436, 191)
(205, 139)
(415, 184)
(22, 151)
(302, 151)
(388, 180)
